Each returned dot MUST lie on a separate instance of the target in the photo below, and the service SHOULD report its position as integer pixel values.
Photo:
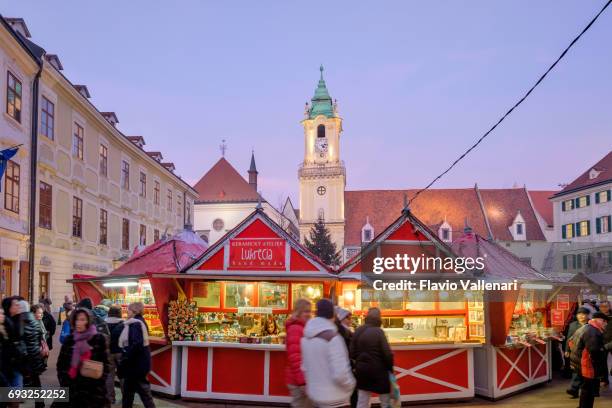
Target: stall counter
(256, 372)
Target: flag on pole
(5, 156)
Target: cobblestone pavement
(550, 395)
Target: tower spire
(253, 171)
(321, 101)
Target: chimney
(253, 172)
(82, 89)
(19, 25)
(54, 60)
(156, 156)
(111, 117)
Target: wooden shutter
(564, 262)
(564, 231)
(588, 227)
(588, 200)
(609, 195)
(598, 225)
(596, 198)
(609, 223)
(563, 206)
(24, 281)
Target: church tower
(322, 175)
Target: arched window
(321, 131)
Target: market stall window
(425, 329)
(310, 291)
(274, 295)
(453, 300)
(421, 300)
(239, 294)
(385, 300)
(207, 294)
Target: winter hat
(341, 313)
(86, 303)
(325, 309)
(599, 315)
(583, 310)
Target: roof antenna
(223, 147)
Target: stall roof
(164, 256)
(499, 263)
(222, 258)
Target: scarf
(81, 345)
(124, 338)
(596, 324)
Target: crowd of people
(329, 365)
(589, 341)
(97, 346)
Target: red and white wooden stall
(427, 369)
(257, 250)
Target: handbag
(92, 369)
(44, 348)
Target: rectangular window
(143, 184)
(239, 294)
(77, 141)
(603, 224)
(77, 217)
(103, 160)
(155, 235)
(143, 234)
(603, 196)
(206, 294)
(187, 213)
(47, 118)
(519, 229)
(11, 186)
(567, 205)
(45, 205)
(179, 206)
(13, 97)
(567, 231)
(169, 200)
(156, 193)
(583, 201)
(583, 228)
(125, 174)
(125, 234)
(103, 227)
(566, 262)
(274, 295)
(43, 284)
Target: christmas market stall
(433, 332)
(520, 324)
(132, 282)
(230, 320)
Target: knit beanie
(86, 303)
(325, 309)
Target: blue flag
(5, 156)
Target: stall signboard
(563, 302)
(254, 254)
(557, 317)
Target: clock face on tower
(321, 145)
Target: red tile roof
(501, 207)
(456, 206)
(222, 183)
(543, 205)
(584, 181)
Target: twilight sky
(416, 83)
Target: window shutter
(576, 202)
(609, 257)
(563, 206)
(564, 231)
(598, 225)
(565, 262)
(596, 198)
(588, 200)
(576, 229)
(609, 195)
(609, 223)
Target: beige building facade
(99, 193)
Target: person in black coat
(115, 326)
(136, 359)
(29, 336)
(582, 318)
(373, 360)
(604, 307)
(49, 321)
(83, 343)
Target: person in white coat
(325, 360)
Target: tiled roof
(222, 183)
(543, 205)
(456, 206)
(502, 206)
(604, 166)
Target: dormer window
(321, 131)
(445, 232)
(594, 173)
(367, 232)
(517, 229)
